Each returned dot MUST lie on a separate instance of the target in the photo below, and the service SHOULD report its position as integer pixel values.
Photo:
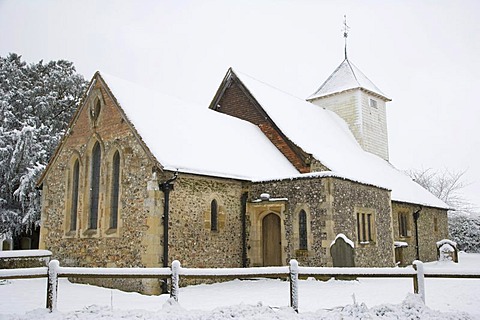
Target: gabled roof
(194, 139)
(189, 138)
(347, 77)
(326, 136)
(250, 110)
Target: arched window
(115, 189)
(95, 110)
(94, 186)
(74, 196)
(214, 215)
(302, 230)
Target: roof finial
(345, 33)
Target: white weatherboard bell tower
(351, 95)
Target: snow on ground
(255, 299)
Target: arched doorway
(271, 235)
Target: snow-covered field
(255, 299)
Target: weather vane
(345, 33)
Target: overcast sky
(422, 54)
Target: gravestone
(342, 252)
(447, 250)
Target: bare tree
(445, 184)
(464, 221)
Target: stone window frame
(366, 231)
(95, 107)
(221, 215)
(109, 166)
(296, 230)
(404, 224)
(69, 178)
(302, 230)
(87, 231)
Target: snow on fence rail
(418, 273)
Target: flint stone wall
(102, 248)
(331, 205)
(432, 227)
(191, 240)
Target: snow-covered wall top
(24, 253)
(347, 76)
(327, 137)
(195, 139)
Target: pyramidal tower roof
(347, 77)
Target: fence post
(294, 284)
(52, 285)
(419, 279)
(175, 279)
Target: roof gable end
(97, 82)
(234, 98)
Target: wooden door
(272, 246)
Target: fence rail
(417, 273)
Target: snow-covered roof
(327, 137)
(347, 76)
(195, 139)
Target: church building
(257, 178)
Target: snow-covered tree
(464, 219)
(36, 103)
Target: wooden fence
(417, 273)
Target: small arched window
(214, 215)
(95, 110)
(115, 191)
(74, 196)
(94, 186)
(302, 230)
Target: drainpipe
(166, 187)
(244, 229)
(416, 215)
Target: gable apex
(347, 77)
(236, 99)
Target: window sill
(366, 243)
(112, 232)
(301, 253)
(71, 234)
(90, 233)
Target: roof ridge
(325, 82)
(353, 71)
(267, 84)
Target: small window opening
(365, 229)
(115, 191)
(214, 215)
(74, 200)
(403, 224)
(95, 111)
(94, 186)
(302, 226)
